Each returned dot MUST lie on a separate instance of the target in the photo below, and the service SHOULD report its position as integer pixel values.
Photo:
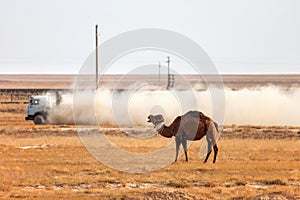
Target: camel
(191, 126)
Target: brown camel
(191, 126)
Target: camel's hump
(195, 114)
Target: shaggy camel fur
(191, 126)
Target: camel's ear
(161, 118)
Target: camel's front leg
(178, 141)
(184, 144)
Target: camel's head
(155, 119)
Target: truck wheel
(39, 119)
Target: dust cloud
(263, 106)
(258, 106)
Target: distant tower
(168, 62)
(172, 80)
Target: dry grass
(245, 168)
(253, 167)
(15, 97)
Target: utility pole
(96, 32)
(168, 62)
(159, 72)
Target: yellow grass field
(50, 161)
(254, 162)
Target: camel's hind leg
(208, 149)
(211, 141)
(215, 152)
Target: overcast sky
(241, 36)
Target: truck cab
(38, 108)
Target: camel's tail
(212, 132)
(217, 126)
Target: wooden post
(96, 32)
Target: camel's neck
(166, 131)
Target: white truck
(39, 108)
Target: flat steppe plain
(41, 81)
(39, 162)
